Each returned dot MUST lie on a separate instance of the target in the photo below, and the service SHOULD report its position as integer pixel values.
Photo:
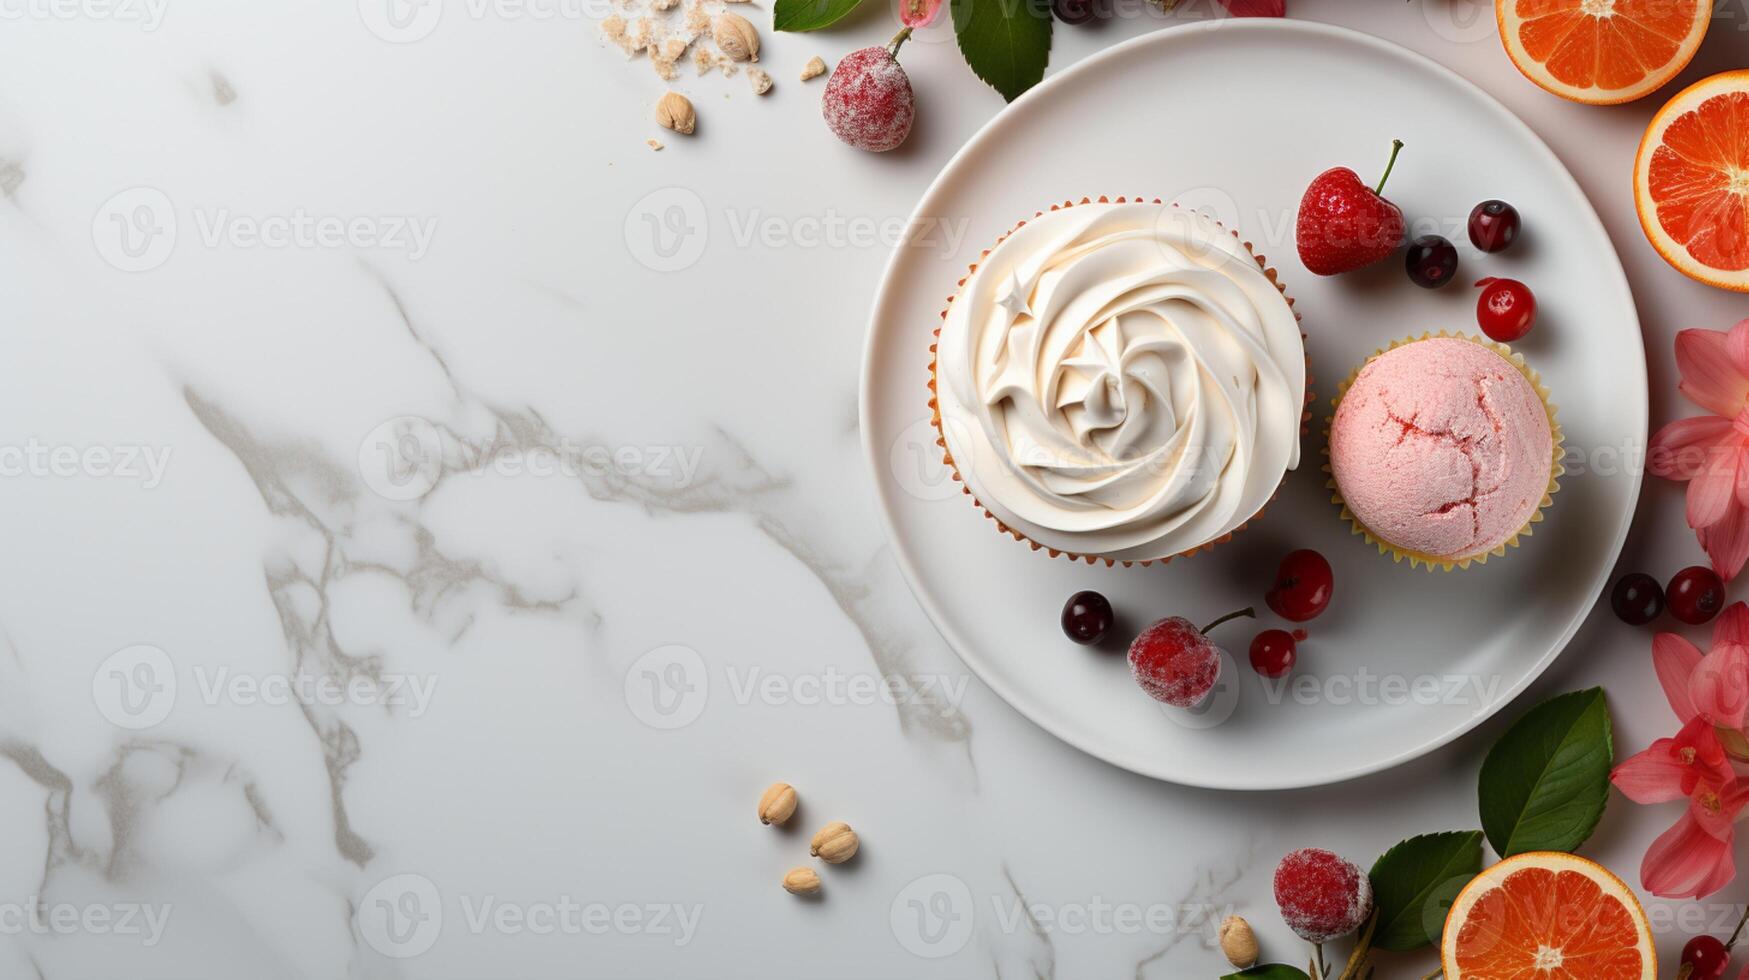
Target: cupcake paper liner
(965, 488)
(1556, 468)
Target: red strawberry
(1344, 224)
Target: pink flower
(1710, 694)
(1711, 452)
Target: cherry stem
(899, 40)
(1396, 148)
(1247, 611)
(1732, 942)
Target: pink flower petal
(1720, 685)
(1713, 488)
(1687, 862)
(918, 13)
(1710, 378)
(1652, 776)
(1727, 542)
(1737, 345)
(1732, 625)
(1256, 8)
(1674, 660)
(1680, 449)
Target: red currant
(1706, 957)
(1506, 310)
(1493, 225)
(1273, 653)
(1637, 599)
(1695, 595)
(1302, 586)
(1087, 617)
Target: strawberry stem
(898, 41)
(1247, 611)
(1396, 148)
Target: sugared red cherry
(1074, 11)
(1322, 897)
(1302, 587)
(868, 101)
(1506, 310)
(1176, 663)
(1493, 225)
(1272, 653)
(1432, 261)
(1695, 594)
(1087, 617)
(1706, 957)
(1637, 599)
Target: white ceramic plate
(1236, 117)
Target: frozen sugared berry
(1272, 653)
(1175, 662)
(1695, 595)
(1493, 225)
(1637, 599)
(1322, 897)
(1706, 957)
(1431, 261)
(868, 101)
(1302, 586)
(1506, 310)
(1086, 617)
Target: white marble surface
(412, 734)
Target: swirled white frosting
(1122, 381)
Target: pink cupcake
(1444, 450)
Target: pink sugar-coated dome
(1442, 448)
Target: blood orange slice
(1691, 181)
(1547, 914)
(1602, 52)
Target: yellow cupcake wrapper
(941, 434)
(1557, 469)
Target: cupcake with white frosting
(1121, 380)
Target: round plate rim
(1141, 763)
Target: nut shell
(736, 36)
(674, 111)
(1238, 942)
(836, 843)
(802, 881)
(778, 804)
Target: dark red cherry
(1087, 617)
(1273, 653)
(1695, 595)
(1637, 599)
(1493, 225)
(1302, 586)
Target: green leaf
(1007, 42)
(1544, 784)
(1269, 971)
(809, 15)
(1414, 883)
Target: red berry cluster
(1694, 596)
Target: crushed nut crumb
(814, 68)
(761, 81)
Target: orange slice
(1602, 52)
(1691, 181)
(1547, 915)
